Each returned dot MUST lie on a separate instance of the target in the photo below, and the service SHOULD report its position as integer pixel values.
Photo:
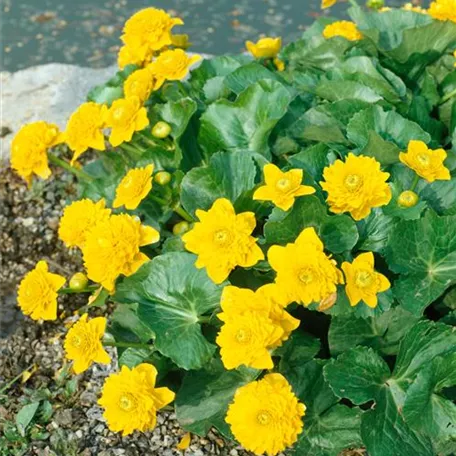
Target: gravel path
(28, 224)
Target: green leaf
(105, 94)
(228, 175)
(203, 399)
(357, 374)
(171, 295)
(126, 326)
(330, 433)
(300, 347)
(385, 432)
(424, 253)
(374, 231)
(383, 134)
(329, 427)
(246, 75)
(131, 357)
(424, 342)
(429, 411)
(341, 90)
(312, 160)
(246, 123)
(338, 232)
(382, 333)
(178, 114)
(25, 416)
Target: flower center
(283, 184)
(363, 279)
(127, 402)
(77, 341)
(306, 276)
(222, 237)
(353, 182)
(243, 336)
(264, 417)
(423, 159)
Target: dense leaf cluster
(379, 378)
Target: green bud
(181, 228)
(162, 177)
(78, 282)
(407, 199)
(375, 4)
(161, 130)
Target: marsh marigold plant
(265, 415)
(261, 231)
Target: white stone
(46, 92)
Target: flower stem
(449, 95)
(134, 150)
(128, 345)
(15, 379)
(415, 182)
(65, 165)
(183, 213)
(88, 289)
(204, 319)
(178, 209)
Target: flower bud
(407, 199)
(180, 228)
(375, 4)
(162, 177)
(78, 282)
(161, 130)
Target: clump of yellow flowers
(225, 213)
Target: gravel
(28, 224)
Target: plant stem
(353, 3)
(148, 140)
(134, 150)
(449, 95)
(178, 209)
(15, 379)
(203, 319)
(65, 165)
(127, 345)
(415, 182)
(88, 289)
(183, 213)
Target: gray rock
(46, 92)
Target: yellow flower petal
(184, 442)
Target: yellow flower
(149, 30)
(141, 83)
(131, 400)
(327, 3)
(245, 340)
(173, 65)
(363, 282)
(37, 294)
(282, 187)
(345, 29)
(265, 416)
(85, 129)
(443, 10)
(264, 48)
(112, 248)
(279, 64)
(254, 322)
(427, 163)
(133, 56)
(356, 186)
(222, 240)
(304, 272)
(79, 218)
(277, 300)
(29, 149)
(134, 187)
(181, 41)
(125, 116)
(83, 343)
(412, 7)
(407, 198)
